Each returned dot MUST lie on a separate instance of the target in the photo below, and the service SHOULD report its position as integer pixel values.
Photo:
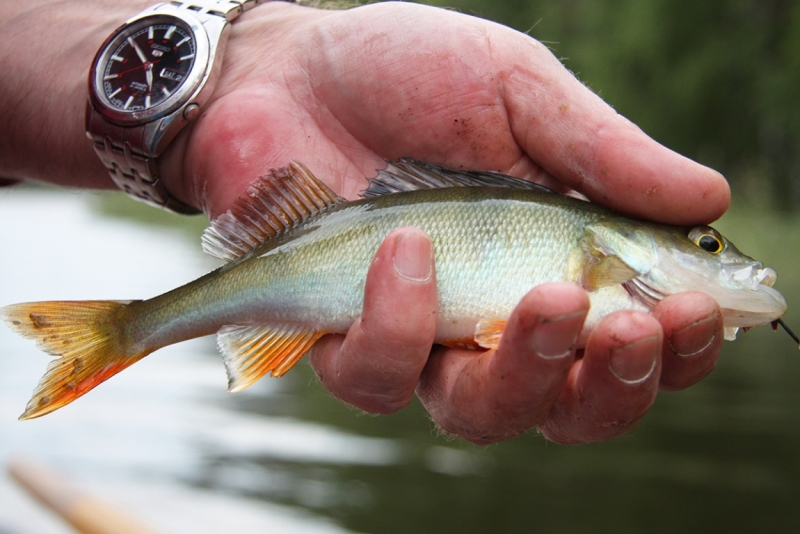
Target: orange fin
(250, 352)
(489, 331)
(83, 338)
(460, 343)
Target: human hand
(341, 91)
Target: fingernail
(555, 338)
(695, 338)
(413, 256)
(635, 362)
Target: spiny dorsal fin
(275, 202)
(409, 175)
(250, 352)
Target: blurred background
(713, 80)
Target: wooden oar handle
(87, 514)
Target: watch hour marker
(117, 90)
(147, 102)
(128, 102)
(188, 56)
(150, 33)
(111, 76)
(137, 49)
(117, 58)
(170, 31)
(165, 91)
(179, 43)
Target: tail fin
(82, 335)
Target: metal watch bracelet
(121, 148)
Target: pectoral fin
(614, 252)
(605, 271)
(250, 352)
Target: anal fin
(250, 352)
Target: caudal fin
(82, 336)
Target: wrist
(43, 93)
(213, 160)
(152, 80)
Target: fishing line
(788, 331)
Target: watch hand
(138, 50)
(121, 73)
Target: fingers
(376, 367)
(571, 133)
(494, 395)
(626, 360)
(615, 383)
(693, 335)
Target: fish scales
(490, 248)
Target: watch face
(148, 66)
(146, 69)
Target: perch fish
(297, 257)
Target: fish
(296, 259)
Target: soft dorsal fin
(409, 175)
(275, 202)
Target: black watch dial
(147, 66)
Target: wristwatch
(150, 78)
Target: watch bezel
(183, 95)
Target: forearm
(47, 49)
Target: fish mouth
(760, 305)
(754, 275)
(756, 303)
(765, 277)
(741, 308)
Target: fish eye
(708, 239)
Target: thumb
(576, 137)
